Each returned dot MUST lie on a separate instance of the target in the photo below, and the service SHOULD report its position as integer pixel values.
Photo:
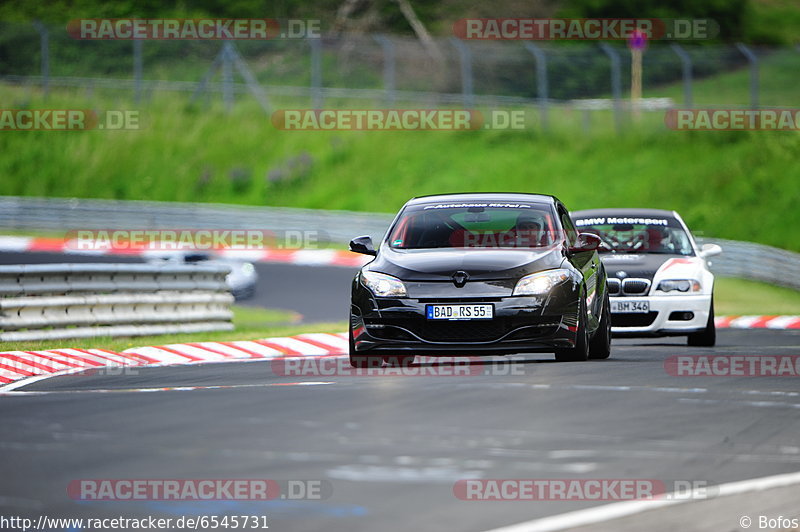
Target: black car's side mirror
(363, 245)
(586, 242)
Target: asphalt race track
(390, 447)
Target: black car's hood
(642, 265)
(479, 264)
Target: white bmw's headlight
(540, 283)
(383, 285)
(679, 285)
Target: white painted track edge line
(11, 386)
(616, 510)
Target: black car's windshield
(475, 225)
(625, 234)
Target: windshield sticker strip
(614, 220)
(482, 205)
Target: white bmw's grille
(635, 287)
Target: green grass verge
(739, 296)
(250, 322)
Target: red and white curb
(301, 257)
(757, 322)
(18, 367)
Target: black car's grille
(632, 319)
(466, 331)
(405, 329)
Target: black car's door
(588, 262)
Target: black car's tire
(600, 346)
(581, 350)
(360, 360)
(399, 360)
(708, 336)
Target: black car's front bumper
(384, 326)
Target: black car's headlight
(383, 285)
(540, 283)
(679, 285)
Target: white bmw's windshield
(662, 235)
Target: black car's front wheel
(600, 346)
(580, 351)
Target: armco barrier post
(389, 66)
(541, 80)
(227, 76)
(44, 45)
(686, 71)
(616, 84)
(465, 60)
(753, 59)
(316, 73)
(137, 70)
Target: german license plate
(632, 307)
(459, 312)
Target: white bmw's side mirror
(710, 250)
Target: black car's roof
(589, 213)
(483, 196)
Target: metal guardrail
(58, 214)
(54, 301)
(757, 262)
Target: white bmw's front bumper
(663, 306)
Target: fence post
(316, 73)
(227, 76)
(389, 63)
(252, 83)
(686, 69)
(465, 58)
(616, 84)
(44, 44)
(203, 85)
(753, 59)
(541, 80)
(137, 70)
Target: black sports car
(472, 274)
